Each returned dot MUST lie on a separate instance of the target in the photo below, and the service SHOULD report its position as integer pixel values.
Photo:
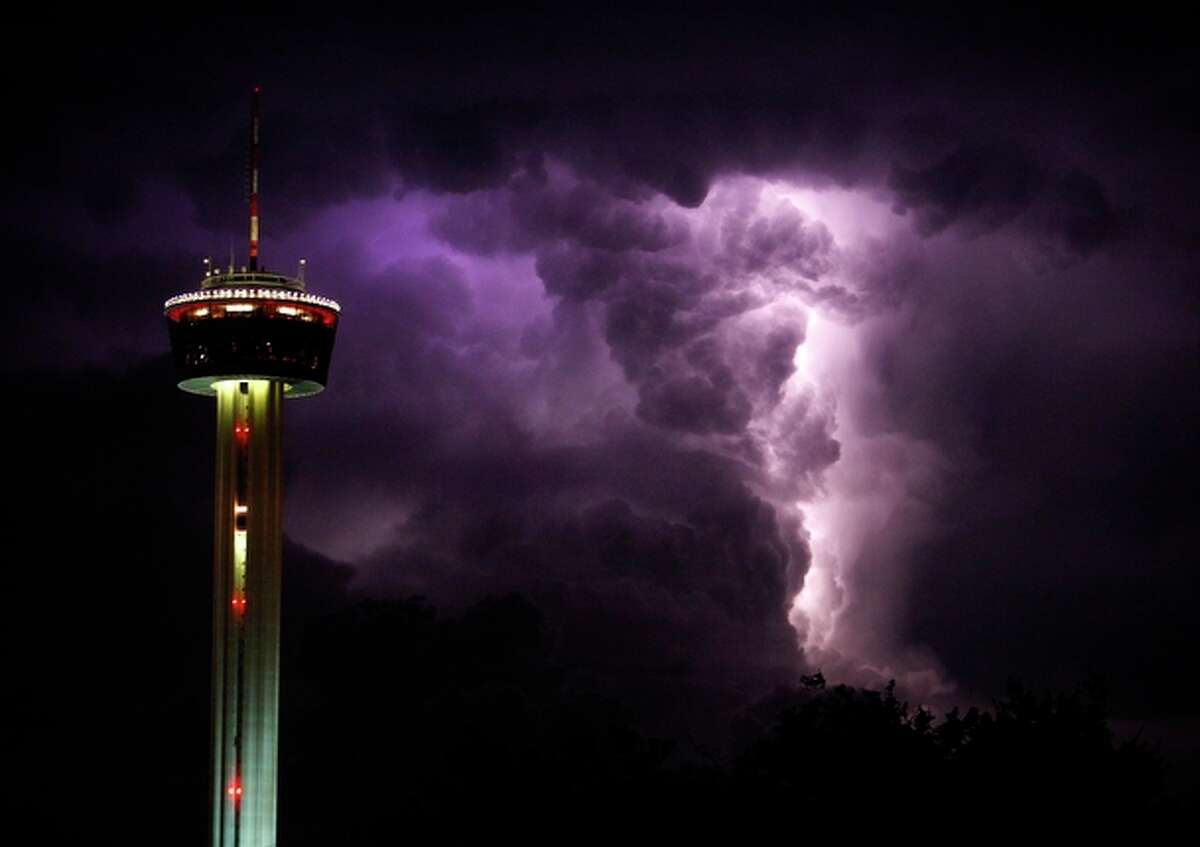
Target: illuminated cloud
(857, 324)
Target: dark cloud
(297, 144)
(623, 530)
(755, 243)
(531, 212)
(665, 317)
(647, 588)
(983, 187)
(674, 143)
(1080, 213)
(980, 189)
(697, 402)
(620, 444)
(775, 364)
(70, 315)
(1068, 424)
(576, 274)
(473, 147)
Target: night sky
(740, 345)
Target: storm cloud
(740, 347)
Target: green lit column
(246, 604)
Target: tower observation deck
(252, 325)
(251, 339)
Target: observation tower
(252, 339)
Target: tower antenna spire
(255, 97)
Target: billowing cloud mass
(740, 349)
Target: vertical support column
(260, 702)
(226, 636)
(246, 606)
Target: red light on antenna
(235, 790)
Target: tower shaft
(246, 604)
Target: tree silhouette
(402, 716)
